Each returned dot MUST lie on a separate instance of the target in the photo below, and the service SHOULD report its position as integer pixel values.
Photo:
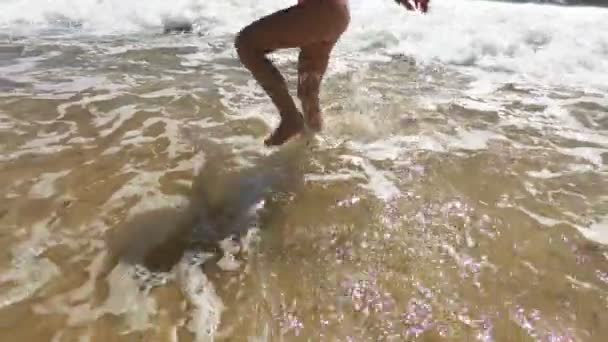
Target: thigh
(302, 25)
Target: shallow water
(459, 191)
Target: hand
(421, 5)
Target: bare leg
(306, 24)
(312, 64)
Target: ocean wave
(529, 43)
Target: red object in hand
(421, 5)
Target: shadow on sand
(225, 201)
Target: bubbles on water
(206, 305)
(366, 296)
(45, 187)
(290, 323)
(29, 275)
(418, 318)
(230, 248)
(379, 182)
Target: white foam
(17, 71)
(85, 291)
(26, 278)
(581, 168)
(81, 141)
(543, 220)
(119, 115)
(474, 139)
(498, 41)
(166, 92)
(145, 186)
(591, 154)
(45, 187)
(538, 42)
(394, 147)
(597, 232)
(125, 298)
(106, 16)
(172, 132)
(250, 240)
(572, 168)
(6, 122)
(64, 89)
(544, 174)
(111, 150)
(389, 149)
(228, 262)
(206, 305)
(580, 283)
(481, 105)
(334, 177)
(29, 271)
(44, 143)
(129, 296)
(378, 182)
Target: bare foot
(314, 121)
(287, 129)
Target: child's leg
(302, 25)
(312, 64)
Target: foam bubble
(29, 271)
(536, 42)
(45, 187)
(206, 305)
(378, 181)
(543, 220)
(590, 154)
(28, 276)
(543, 174)
(473, 139)
(597, 232)
(334, 177)
(498, 41)
(125, 298)
(230, 248)
(394, 147)
(43, 143)
(6, 122)
(145, 182)
(118, 116)
(580, 283)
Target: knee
(240, 44)
(244, 46)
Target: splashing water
(458, 192)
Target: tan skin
(314, 26)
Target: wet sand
(140, 205)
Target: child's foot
(314, 121)
(287, 129)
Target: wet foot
(314, 121)
(286, 130)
